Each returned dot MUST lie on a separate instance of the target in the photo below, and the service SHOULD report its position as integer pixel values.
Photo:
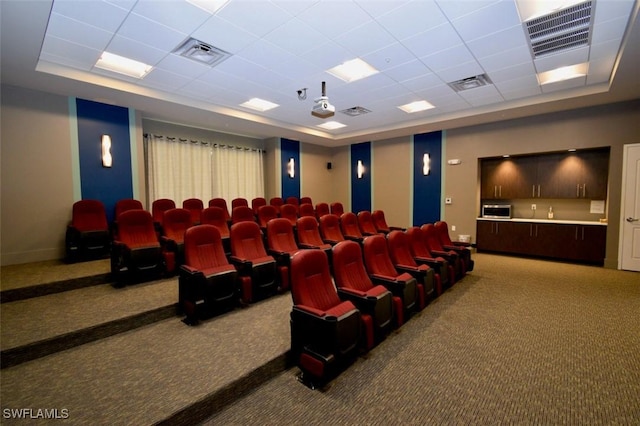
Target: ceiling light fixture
(352, 70)
(211, 6)
(332, 125)
(534, 9)
(259, 104)
(120, 64)
(416, 107)
(563, 73)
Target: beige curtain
(179, 169)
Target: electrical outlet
(453, 227)
(533, 206)
(447, 200)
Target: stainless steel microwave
(496, 211)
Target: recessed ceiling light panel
(352, 70)
(120, 64)
(563, 73)
(259, 104)
(332, 125)
(416, 107)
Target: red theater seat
(195, 207)
(137, 251)
(381, 271)
(330, 229)
(325, 331)
(322, 209)
(349, 227)
(365, 223)
(354, 285)
(403, 260)
(87, 235)
(175, 223)
(256, 269)
(422, 254)
(208, 282)
(462, 248)
(215, 216)
(281, 245)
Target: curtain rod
(212, 144)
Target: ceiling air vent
(201, 52)
(470, 83)
(354, 111)
(562, 30)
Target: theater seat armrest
(349, 293)
(309, 310)
(461, 244)
(390, 283)
(242, 265)
(188, 270)
(352, 238)
(442, 253)
(407, 268)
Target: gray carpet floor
(515, 342)
(521, 342)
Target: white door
(630, 227)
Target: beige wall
(315, 180)
(609, 125)
(36, 162)
(37, 183)
(392, 180)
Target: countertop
(557, 221)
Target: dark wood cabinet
(581, 174)
(500, 178)
(573, 242)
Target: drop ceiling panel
(257, 17)
(151, 33)
(69, 29)
(457, 9)
(280, 46)
(500, 41)
(333, 18)
(493, 18)
(224, 35)
(182, 17)
(100, 14)
(412, 18)
(432, 41)
(366, 38)
(389, 57)
(132, 49)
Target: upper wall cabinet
(555, 175)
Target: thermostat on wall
(454, 162)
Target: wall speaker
(329, 165)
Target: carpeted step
(162, 372)
(36, 327)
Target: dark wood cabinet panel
(581, 174)
(581, 243)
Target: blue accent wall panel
(290, 185)
(361, 188)
(96, 182)
(427, 190)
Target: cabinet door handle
(533, 191)
(500, 193)
(576, 233)
(495, 191)
(531, 230)
(584, 190)
(538, 191)
(578, 190)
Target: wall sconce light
(291, 168)
(107, 158)
(360, 169)
(426, 164)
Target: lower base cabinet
(573, 242)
